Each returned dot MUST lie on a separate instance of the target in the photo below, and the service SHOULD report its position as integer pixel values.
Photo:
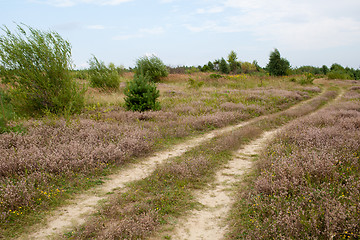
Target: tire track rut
(217, 200)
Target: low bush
(215, 76)
(6, 114)
(195, 84)
(141, 95)
(151, 67)
(338, 75)
(81, 74)
(307, 79)
(103, 77)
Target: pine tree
(223, 66)
(141, 94)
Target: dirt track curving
(209, 221)
(216, 204)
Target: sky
(193, 32)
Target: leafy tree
(211, 66)
(141, 94)
(205, 68)
(234, 65)
(103, 77)
(224, 66)
(232, 57)
(247, 67)
(339, 72)
(324, 69)
(151, 67)
(37, 66)
(217, 64)
(277, 65)
(336, 67)
(256, 64)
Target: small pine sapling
(141, 95)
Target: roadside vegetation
(63, 130)
(306, 184)
(101, 76)
(36, 65)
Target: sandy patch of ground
(208, 222)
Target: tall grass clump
(307, 183)
(141, 95)
(37, 65)
(103, 77)
(151, 67)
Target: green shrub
(308, 79)
(195, 84)
(141, 94)
(215, 76)
(192, 70)
(37, 65)
(247, 67)
(338, 75)
(81, 74)
(101, 76)
(151, 67)
(7, 114)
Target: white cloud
(70, 3)
(96, 27)
(56, 3)
(210, 10)
(128, 36)
(152, 31)
(141, 33)
(105, 2)
(305, 24)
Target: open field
(58, 158)
(306, 182)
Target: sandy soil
(208, 222)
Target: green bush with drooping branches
(101, 76)
(36, 64)
(151, 67)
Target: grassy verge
(58, 157)
(306, 184)
(148, 204)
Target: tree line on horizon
(277, 66)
